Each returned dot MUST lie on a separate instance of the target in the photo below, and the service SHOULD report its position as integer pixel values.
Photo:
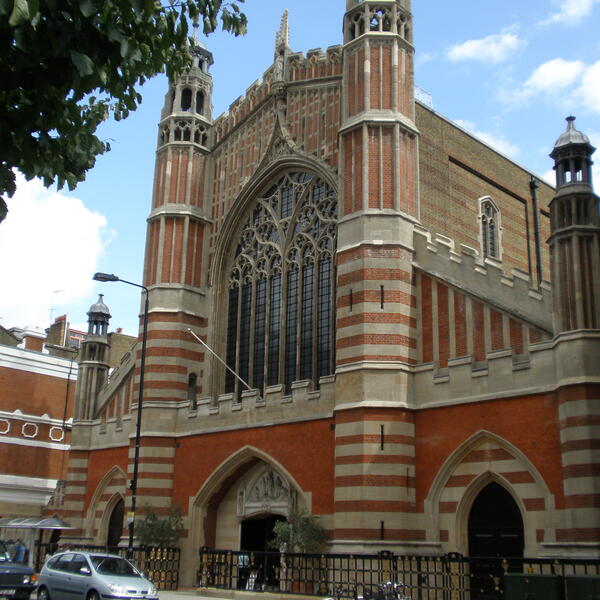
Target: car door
(79, 577)
(58, 580)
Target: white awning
(33, 523)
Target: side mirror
(85, 571)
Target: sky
(507, 71)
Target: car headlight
(117, 589)
(152, 591)
(29, 578)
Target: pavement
(216, 594)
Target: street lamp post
(136, 455)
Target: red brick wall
(298, 447)
(35, 394)
(528, 422)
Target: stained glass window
(281, 286)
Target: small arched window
(191, 390)
(490, 229)
(186, 99)
(200, 102)
(280, 324)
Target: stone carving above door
(268, 492)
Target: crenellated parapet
(463, 268)
(504, 375)
(316, 64)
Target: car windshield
(113, 565)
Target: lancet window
(280, 324)
(490, 229)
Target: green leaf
(124, 47)
(83, 62)
(20, 13)
(87, 8)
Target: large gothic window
(281, 286)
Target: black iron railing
(159, 565)
(446, 577)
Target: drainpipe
(533, 186)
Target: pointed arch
(490, 228)
(110, 489)
(315, 277)
(470, 496)
(227, 474)
(482, 458)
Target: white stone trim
(61, 434)
(45, 418)
(35, 443)
(26, 425)
(17, 489)
(36, 362)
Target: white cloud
(589, 90)
(554, 75)
(497, 142)
(48, 242)
(422, 58)
(595, 141)
(570, 83)
(549, 176)
(491, 49)
(571, 12)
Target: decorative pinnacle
(282, 37)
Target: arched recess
(470, 497)
(281, 157)
(109, 491)
(115, 514)
(241, 472)
(482, 458)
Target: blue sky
(508, 71)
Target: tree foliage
(163, 532)
(300, 533)
(66, 65)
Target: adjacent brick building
(38, 371)
(381, 280)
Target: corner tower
(93, 361)
(379, 200)
(376, 323)
(575, 261)
(575, 238)
(175, 261)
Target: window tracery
(380, 20)
(281, 286)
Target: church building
(411, 320)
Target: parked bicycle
(383, 591)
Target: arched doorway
(257, 532)
(115, 524)
(495, 524)
(495, 532)
(255, 536)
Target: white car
(92, 576)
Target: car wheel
(93, 595)
(42, 594)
